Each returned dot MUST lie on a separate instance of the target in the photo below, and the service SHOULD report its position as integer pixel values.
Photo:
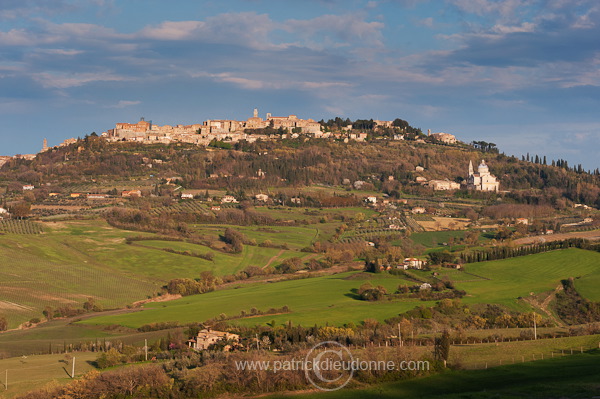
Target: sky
(524, 74)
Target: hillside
(93, 165)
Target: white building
(444, 137)
(443, 185)
(413, 263)
(228, 199)
(208, 337)
(482, 180)
(261, 197)
(187, 196)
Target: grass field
(32, 372)
(433, 239)
(312, 301)
(587, 286)
(74, 260)
(512, 278)
(56, 334)
(296, 237)
(330, 299)
(572, 376)
(60, 268)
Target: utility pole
(399, 335)
(73, 368)
(146, 348)
(257, 343)
(6, 383)
(534, 327)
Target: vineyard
(381, 227)
(20, 227)
(183, 207)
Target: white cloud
(63, 81)
(427, 22)
(346, 29)
(504, 29)
(243, 29)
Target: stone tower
(256, 112)
(45, 145)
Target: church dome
(483, 168)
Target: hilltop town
(257, 128)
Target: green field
(588, 286)
(572, 376)
(330, 299)
(33, 372)
(55, 334)
(432, 239)
(512, 278)
(312, 301)
(295, 237)
(74, 260)
(61, 268)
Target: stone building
(444, 137)
(483, 180)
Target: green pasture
(59, 268)
(319, 300)
(330, 298)
(295, 237)
(33, 372)
(512, 278)
(570, 376)
(432, 239)
(57, 334)
(588, 286)
(74, 260)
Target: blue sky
(524, 74)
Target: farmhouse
(443, 185)
(187, 196)
(418, 209)
(208, 337)
(3, 213)
(412, 263)
(261, 197)
(228, 199)
(97, 196)
(131, 193)
(28, 187)
(372, 200)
